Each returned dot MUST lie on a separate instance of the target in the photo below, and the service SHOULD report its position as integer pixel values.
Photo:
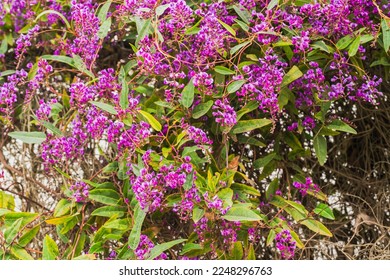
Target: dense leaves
(181, 129)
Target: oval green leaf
(237, 213)
(245, 126)
(34, 137)
(151, 120)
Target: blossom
(285, 244)
(307, 186)
(224, 113)
(144, 247)
(80, 191)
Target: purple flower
(80, 191)
(144, 247)
(301, 43)
(198, 136)
(25, 40)
(285, 244)
(309, 123)
(224, 113)
(307, 186)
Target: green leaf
(7, 73)
(3, 47)
(245, 188)
(11, 232)
(111, 167)
(272, 4)
(62, 208)
(320, 147)
(251, 253)
(341, 126)
(261, 162)
(242, 24)
(238, 47)
(27, 217)
(28, 236)
(353, 48)
(160, 248)
(52, 128)
(237, 213)
(4, 211)
(366, 38)
(104, 28)
(227, 27)
(243, 13)
(385, 34)
(135, 234)
(124, 97)
(7, 201)
(223, 70)
(60, 58)
(317, 227)
(249, 107)
(151, 120)
(197, 214)
(237, 251)
(34, 137)
(382, 61)
(250, 125)
(193, 30)
(161, 9)
(143, 30)
(86, 257)
(187, 95)
(236, 85)
(108, 211)
(202, 109)
(80, 65)
(271, 236)
(325, 211)
(55, 13)
(226, 195)
(102, 15)
(20, 253)
(61, 220)
(293, 74)
(322, 46)
(253, 141)
(272, 188)
(105, 196)
(344, 42)
(190, 247)
(119, 224)
(50, 249)
(105, 107)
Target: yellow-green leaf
(151, 120)
(293, 74)
(50, 249)
(249, 125)
(320, 147)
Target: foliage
(196, 123)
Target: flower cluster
(80, 191)
(25, 41)
(224, 114)
(9, 92)
(150, 186)
(86, 44)
(263, 82)
(131, 76)
(307, 186)
(285, 244)
(144, 247)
